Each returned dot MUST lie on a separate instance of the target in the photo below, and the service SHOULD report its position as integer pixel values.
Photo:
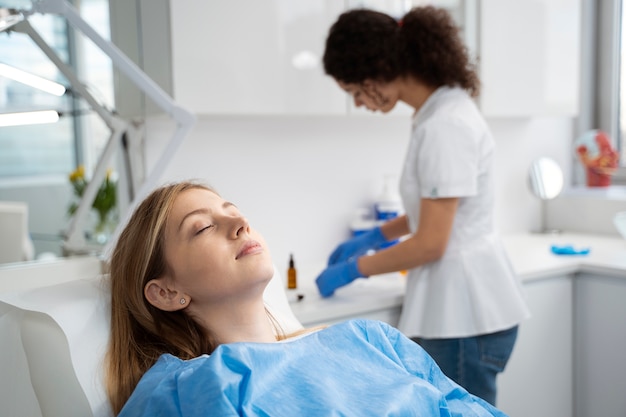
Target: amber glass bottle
(291, 274)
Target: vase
(105, 226)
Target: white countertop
(532, 258)
(530, 255)
(361, 296)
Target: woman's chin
(265, 269)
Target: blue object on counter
(569, 250)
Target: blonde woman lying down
(190, 334)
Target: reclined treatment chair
(54, 327)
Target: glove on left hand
(336, 276)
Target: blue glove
(357, 246)
(336, 276)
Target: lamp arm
(184, 119)
(181, 131)
(121, 61)
(25, 27)
(74, 239)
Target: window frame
(607, 27)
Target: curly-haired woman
(463, 302)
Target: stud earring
(183, 301)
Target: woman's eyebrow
(225, 205)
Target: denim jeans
(473, 362)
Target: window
(78, 137)
(36, 149)
(604, 106)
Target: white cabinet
(568, 359)
(538, 378)
(390, 315)
(600, 346)
(530, 57)
(264, 57)
(253, 57)
(464, 13)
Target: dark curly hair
(425, 44)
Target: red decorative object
(599, 158)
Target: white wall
(299, 179)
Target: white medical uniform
(472, 289)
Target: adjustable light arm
(77, 86)
(75, 239)
(184, 119)
(121, 61)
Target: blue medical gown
(357, 368)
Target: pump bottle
(388, 205)
(362, 221)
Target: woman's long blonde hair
(140, 333)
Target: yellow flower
(105, 199)
(78, 173)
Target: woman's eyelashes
(202, 229)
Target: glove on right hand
(357, 246)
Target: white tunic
(472, 289)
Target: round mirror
(545, 178)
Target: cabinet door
(253, 57)
(600, 345)
(388, 315)
(538, 378)
(264, 57)
(530, 57)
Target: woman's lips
(250, 247)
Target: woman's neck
(414, 92)
(243, 322)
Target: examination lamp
(29, 118)
(121, 130)
(37, 117)
(32, 80)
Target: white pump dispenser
(388, 205)
(362, 222)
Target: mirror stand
(545, 180)
(543, 222)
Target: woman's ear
(164, 297)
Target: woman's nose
(240, 227)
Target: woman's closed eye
(202, 229)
